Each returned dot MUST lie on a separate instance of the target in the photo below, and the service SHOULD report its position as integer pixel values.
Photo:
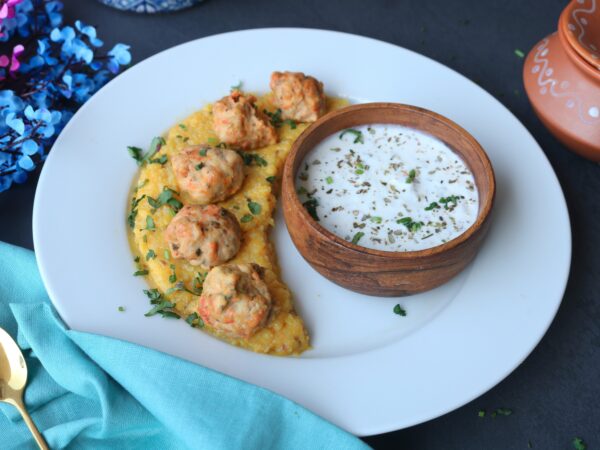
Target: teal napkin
(89, 391)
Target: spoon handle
(34, 431)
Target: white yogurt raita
(388, 187)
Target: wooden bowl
(377, 272)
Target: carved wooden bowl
(377, 272)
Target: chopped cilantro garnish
(150, 255)
(254, 208)
(199, 166)
(212, 140)
(182, 126)
(173, 276)
(357, 237)
(271, 179)
(153, 294)
(481, 413)
(291, 123)
(136, 259)
(246, 218)
(164, 308)
(432, 205)
(160, 160)
(410, 224)
(136, 153)
(203, 151)
(275, 117)
(167, 254)
(411, 176)
(250, 158)
(399, 310)
(311, 207)
(376, 219)
(519, 53)
(195, 320)
(579, 444)
(329, 180)
(150, 226)
(121, 308)
(166, 198)
(358, 136)
(140, 273)
(502, 412)
(450, 202)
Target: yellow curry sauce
(284, 333)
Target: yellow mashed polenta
(284, 333)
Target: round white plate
(370, 370)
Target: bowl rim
(288, 180)
(579, 52)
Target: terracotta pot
(562, 82)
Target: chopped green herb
(246, 218)
(432, 205)
(502, 412)
(329, 180)
(199, 166)
(302, 190)
(411, 176)
(519, 53)
(182, 126)
(162, 307)
(166, 198)
(136, 259)
(450, 202)
(199, 282)
(311, 207)
(136, 153)
(160, 160)
(121, 308)
(153, 294)
(250, 158)
(254, 208)
(481, 413)
(203, 151)
(376, 219)
(271, 179)
(212, 140)
(195, 320)
(399, 310)
(237, 87)
(173, 276)
(275, 117)
(357, 237)
(167, 254)
(358, 136)
(140, 273)
(150, 255)
(410, 224)
(579, 444)
(291, 123)
(359, 171)
(150, 226)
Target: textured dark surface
(555, 393)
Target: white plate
(370, 371)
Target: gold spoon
(13, 377)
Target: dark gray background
(555, 393)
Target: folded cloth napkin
(89, 391)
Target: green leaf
(150, 255)
(140, 273)
(153, 294)
(376, 219)
(253, 158)
(311, 208)
(411, 176)
(136, 153)
(121, 308)
(203, 151)
(246, 218)
(150, 223)
(579, 444)
(254, 208)
(481, 413)
(199, 166)
(291, 123)
(329, 180)
(161, 307)
(271, 179)
(357, 237)
(399, 310)
(519, 53)
(432, 205)
(182, 126)
(358, 136)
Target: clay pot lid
(580, 24)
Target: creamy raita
(388, 187)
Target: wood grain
(377, 272)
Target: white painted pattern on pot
(549, 85)
(581, 23)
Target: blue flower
(119, 56)
(14, 122)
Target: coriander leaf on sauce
(311, 207)
(254, 208)
(358, 136)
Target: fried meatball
(299, 97)
(235, 299)
(207, 174)
(204, 235)
(238, 123)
